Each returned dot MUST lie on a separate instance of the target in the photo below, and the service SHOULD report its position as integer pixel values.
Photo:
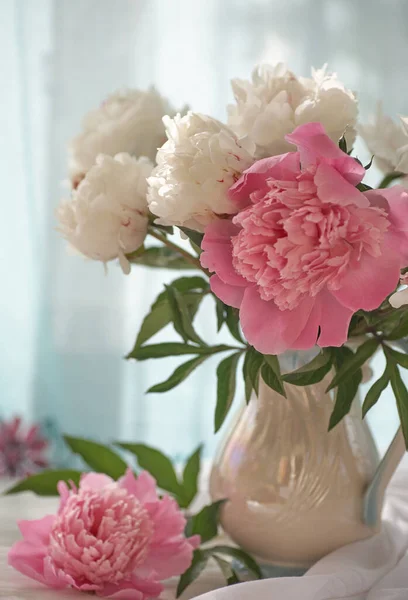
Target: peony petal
(170, 558)
(313, 144)
(334, 322)
(399, 298)
(283, 167)
(230, 294)
(269, 329)
(308, 337)
(143, 487)
(217, 251)
(395, 201)
(169, 521)
(37, 531)
(362, 287)
(332, 187)
(94, 481)
(136, 589)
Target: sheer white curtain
(65, 325)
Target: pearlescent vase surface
(296, 491)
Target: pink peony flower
(22, 453)
(306, 248)
(116, 539)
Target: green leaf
(251, 369)
(199, 563)
(227, 570)
(160, 313)
(362, 187)
(169, 229)
(98, 457)
(375, 392)
(45, 483)
(343, 144)
(157, 464)
(219, 307)
(226, 380)
(401, 397)
(369, 164)
(390, 178)
(347, 389)
(353, 362)
(399, 357)
(232, 322)
(271, 374)
(190, 477)
(181, 317)
(244, 560)
(174, 349)
(313, 372)
(194, 236)
(161, 257)
(205, 523)
(401, 330)
(179, 375)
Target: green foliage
(97, 456)
(312, 372)
(191, 474)
(271, 374)
(193, 290)
(347, 385)
(45, 483)
(350, 362)
(343, 144)
(199, 563)
(223, 555)
(181, 317)
(226, 382)
(161, 468)
(206, 522)
(251, 370)
(375, 392)
(174, 349)
(399, 388)
(160, 257)
(194, 236)
(178, 376)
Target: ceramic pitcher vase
(296, 491)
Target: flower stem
(186, 255)
(390, 178)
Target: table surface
(15, 586)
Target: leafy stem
(186, 255)
(390, 178)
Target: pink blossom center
(100, 537)
(292, 244)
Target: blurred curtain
(66, 325)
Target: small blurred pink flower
(116, 539)
(22, 453)
(306, 248)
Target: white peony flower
(107, 216)
(402, 154)
(400, 298)
(129, 121)
(275, 102)
(195, 168)
(384, 139)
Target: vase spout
(374, 495)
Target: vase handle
(374, 494)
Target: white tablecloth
(375, 569)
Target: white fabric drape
(65, 325)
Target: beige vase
(296, 491)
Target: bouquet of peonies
(296, 250)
